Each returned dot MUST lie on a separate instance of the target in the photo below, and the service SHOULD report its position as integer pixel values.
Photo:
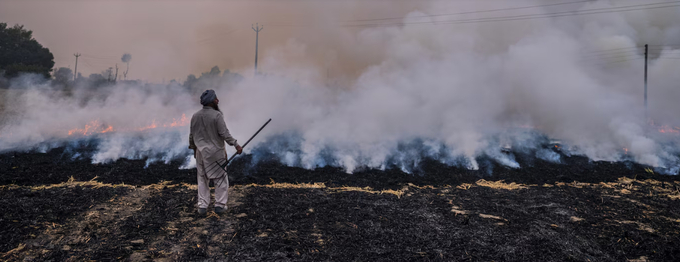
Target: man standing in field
(207, 135)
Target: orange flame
(109, 129)
(181, 122)
(90, 128)
(95, 127)
(152, 126)
(667, 129)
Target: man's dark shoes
(220, 210)
(202, 211)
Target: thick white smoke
(458, 90)
(138, 120)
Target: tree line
(20, 53)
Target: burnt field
(56, 208)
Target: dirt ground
(58, 210)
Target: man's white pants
(206, 171)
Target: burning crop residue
(93, 127)
(669, 130)
(96, 127)
(663, 129)
(163, 141)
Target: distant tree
(126, 59)
(230, 77)
(63, 75)
(215, 71)
(96, 77)
(97, 80)
(108, 73)
(211, 80)
(19, 52)
(191, 80)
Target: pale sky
(171, 39)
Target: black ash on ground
(58, 209)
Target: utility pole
(646, 115)
(75, 74)
(116, 79)
(257, 28)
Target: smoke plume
(450, 88)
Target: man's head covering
(208, 97)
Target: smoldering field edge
(469, 92)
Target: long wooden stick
(244, 145)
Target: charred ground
(57, 208)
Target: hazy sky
(170, 39)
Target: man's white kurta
(207, 135)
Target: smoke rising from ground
(448, 92)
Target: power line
(625, 59)
(623, 49)
(678, 46)
(515, 17)
(604, 55)
(619, 61)
(88, 63)
(658, 47)
(470, 12)
(637, 58)
(611, 53)
(607, 58)
(101, 57)
(96, 62)
(535, 16)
